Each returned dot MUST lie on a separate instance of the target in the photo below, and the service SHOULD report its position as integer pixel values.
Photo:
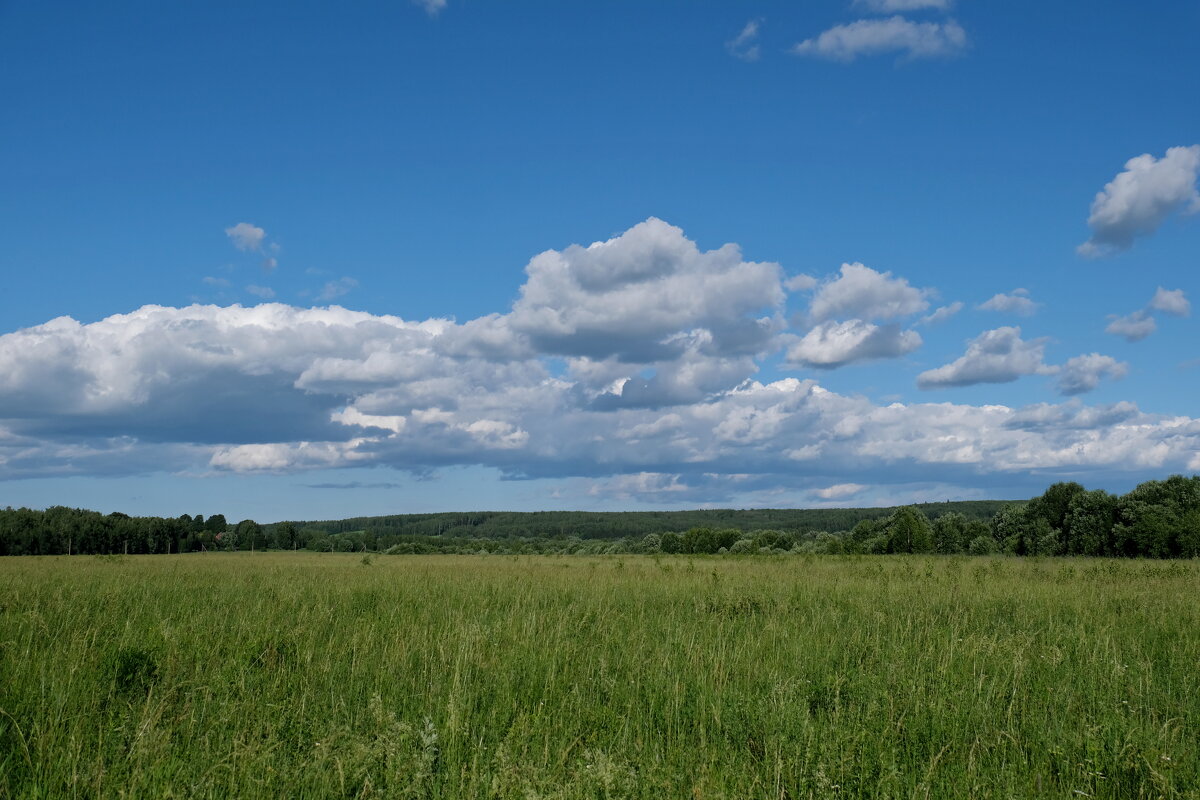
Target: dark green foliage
(621, 524)
(982, 546)
(1158, 519)
(908, 531)
(133, 671)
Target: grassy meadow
(304, 675)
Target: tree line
(1158, 519)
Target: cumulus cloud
(1172, 302)
(1072, 415)
(1084, 373)
(1141, 323)
(861, 292)
(800, 283)
(745, 45)
(273, 388)
(645, 318)
(867, 37)
(1132, 327)
(995, 356)
(1016, 303)
(842, 315)
(265, 292)
(1140, 199)
(835, 344)
(246, 237)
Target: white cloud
(646, 310)
(1172, 302)
(246, 236)
(942, 314)
(265, 292)
(218, 283)
(1141, 198)
(1084, 373)
(1016, 303)
(335, 289)
(838, 491)
(836, 344)
(867, 37)
(639, 485)
(745, 45)
(995, 356)
(892, 6)
(280, 389)
(1133, 327)
(432, 7)
(1140, 324)
(861, 292)
(800, 283)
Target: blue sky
(355, 228)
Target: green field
(308, 675)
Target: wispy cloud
(335, 289)
(942, 314)
(352, 485)
(892, 6)
(745, 44)
(432, 7)
(868, 37)
(838, 491)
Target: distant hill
(618, 524)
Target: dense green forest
(626, 524)
(1158, 519)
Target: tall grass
(295, 675)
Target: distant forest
(1158, 519)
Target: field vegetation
(335, 675)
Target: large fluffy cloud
(843, 314)
(1002, 356)
(644, 318)
(995, 356)
(1084, 373)
(859, 291)
(835, 344)
(584, 376)
(1139, 199)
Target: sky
(316, 260)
